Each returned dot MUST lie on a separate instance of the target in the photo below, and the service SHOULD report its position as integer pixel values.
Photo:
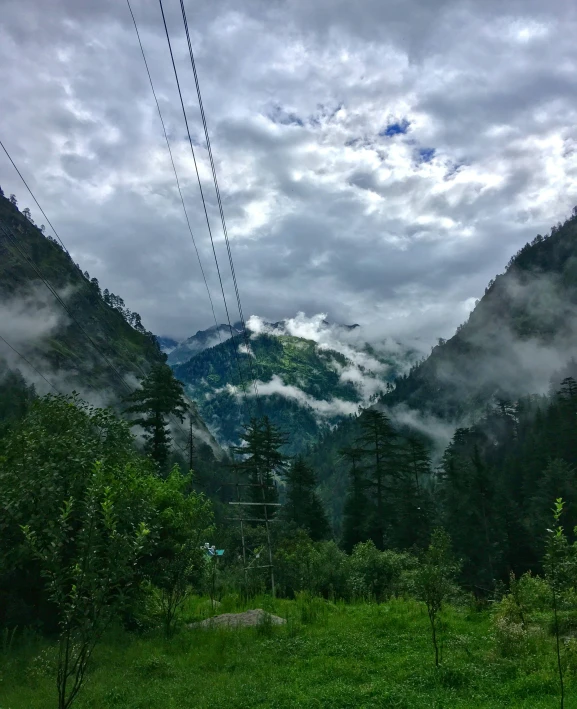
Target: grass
(340, 656)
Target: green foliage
(376, 575)
(84, 522)
(303, 565)
(73, 524)
(303, 508)
(434, 580)
(175, 564)
(160, 395)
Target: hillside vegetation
(301, 387)
(90, 342)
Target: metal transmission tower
(239, 505)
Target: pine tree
(377, 441)
(303, 506)
(261, 460)
(159, 396)
(356, 509)
(412, 498)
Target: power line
(215, 180)
(203, 200)
(33, 197)
(174, 168)
(11, 238)
(13, 241)
(79, 270)
(30, 364)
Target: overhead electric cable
(77, 267)
(215, 180)
(14, 243)
(174, 167)
(33, 197)
(202, 197)
(30, 364)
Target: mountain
(167, 344)
(304, 386)
(522, 331)
(520, 339)
(183, 351)
(72, 335)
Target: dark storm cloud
(379, 162)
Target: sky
(379, 162)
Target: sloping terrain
(57, 318)
(521, 332)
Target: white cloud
(378, 161)
(330, 408)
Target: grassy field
(363, 656)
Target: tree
(559, 564)
(160, 395)
(74, 506)
(434, 580)
(377, 442)
(26, 212)
(303, 507)
(557, 480)
(13, 201)
(411, 495)
(182, 520)
(356, 506)
(261, 461)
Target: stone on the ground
(240, 620)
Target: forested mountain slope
(304, 388)
(89, 342)
(521, 332)
(519, 341)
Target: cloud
(323, 409)
(28, 317)
(377, 161)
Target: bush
(376, 575)
(318, 568)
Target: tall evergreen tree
(356, 509)
(261, 460)
(412, 496)
(377, 440)
(303, 507)
(160, 395)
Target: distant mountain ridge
(304, 386)
(179, 352)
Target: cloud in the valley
(321, 407)
(379, 162)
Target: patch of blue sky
(397, 128)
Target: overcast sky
(379, 160)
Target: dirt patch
(240, 620)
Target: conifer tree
(160, 395)
(413, 504)
(261, 460)
(377, 442)
(303, 507)
(356, 509)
